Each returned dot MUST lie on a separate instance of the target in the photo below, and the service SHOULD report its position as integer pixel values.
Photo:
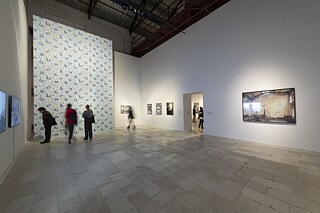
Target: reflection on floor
(158, 171)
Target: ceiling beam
(143, 3)
(193, 12)
(140, 11)
(174, 11)
(92, 5)
(143, 18)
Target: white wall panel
(126, 87)
(246, 45)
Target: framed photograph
(197, 105)
(149, 109)
(158, 108)
(3, 104)
(124, 109)
(169, 108)
(14, 111)
(270, 106)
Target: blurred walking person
(130, 119)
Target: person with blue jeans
(71, 120)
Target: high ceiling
(149, 22)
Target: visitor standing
(71, 120)
(48, 122)
(88, 120)
(201, 117)
(194, 114)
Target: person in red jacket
(71, 120)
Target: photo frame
(170, 108)
(124, 109)
(158, 108)
(14, 111)
(149, 109)
(3, 109)
(270, 106)
(197, 105)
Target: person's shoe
(69, 142)
(42, 142)
(128, 127)
(85, 139)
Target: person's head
(87, 107)
(201, 108)
(69, 105)
(41, 109)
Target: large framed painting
(270, 106)
(149, 109)
(14, 111)
(158, 108)
(3, 104)
(169, 108)
(124, 109)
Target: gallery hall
(159, 106)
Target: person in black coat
(201, 117)
(48, 122)
(88, 120)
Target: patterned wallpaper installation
(71, 66)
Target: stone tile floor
(162, 171)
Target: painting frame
(158, 108)
(3, 111)
(149, 109)
(14, 111)
(170, 108)
(124, 109)
(275, 106)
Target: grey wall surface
(13, 75)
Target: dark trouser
(70, 127)
(201, 123)
(88, 129)
(47, 132)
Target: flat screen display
(14, 111)
(3, 97)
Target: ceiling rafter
(128, 15)
(92, 5)
(193, 12)
(142, 20)
(149, 22)
(143, 3)
(140, 11)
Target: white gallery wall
(13, 76)
(246, 45)
(126, 87)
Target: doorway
(192, 103)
